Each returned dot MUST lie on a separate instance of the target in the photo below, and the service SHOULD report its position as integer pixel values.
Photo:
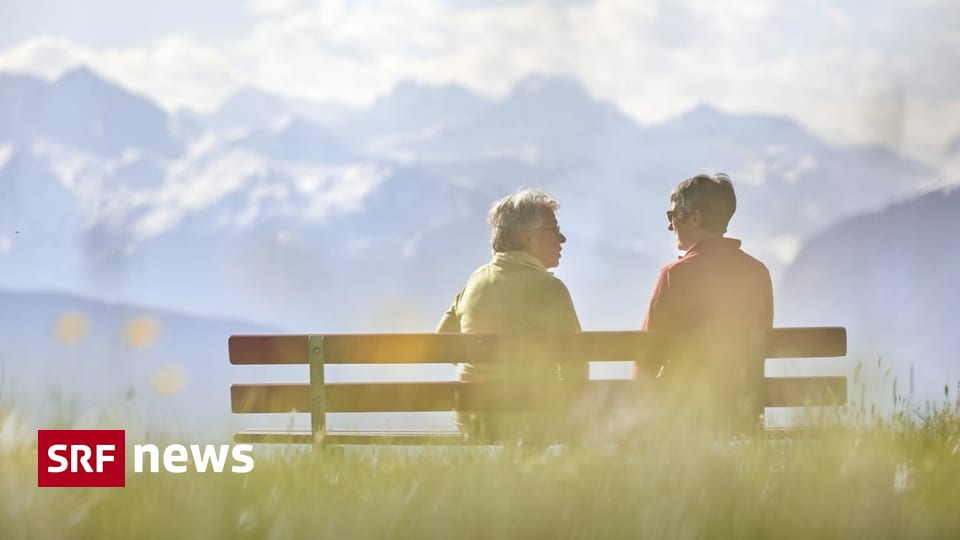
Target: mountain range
(378, 214)
(316, 217)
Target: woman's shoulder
(547, 283)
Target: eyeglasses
(674, 214)
(555, 229)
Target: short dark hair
(712, 195)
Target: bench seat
(317, 397)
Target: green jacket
(513, 293)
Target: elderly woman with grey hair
(514, 293)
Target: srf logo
(81, 458)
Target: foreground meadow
(891, 479)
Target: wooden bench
(319, 397)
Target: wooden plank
(477, 348)
(270, 398)
(419, 438)
(426, 438)
(404, 348)
(344, 397)
(805, 391)
(814, 342)
(811, 342)
(442, 348)
(273, 436)
(439, 348)
(412, 397)
(440, 396)
(263, 350)
(394, 438)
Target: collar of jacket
(710, 244)
(520, 258)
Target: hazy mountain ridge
(163, 368)
(341, 220)
(891, 278)
(83, 110)
(953, 147)
(383, 210)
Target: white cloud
(158, 221)
(194, 185)
(6, 152)
(257, 198)
(949, 176)
(784, 247)
(226, 174)
(46, 56)
(174, 71)
(883, 75)
(791, 171)
(67, 163)
(210, 173)
(753, 173)
(340, 189)
(778, 164)
(284, 237)
(272, 7)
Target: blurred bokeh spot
(72, 327)
(168, 380)
(141, 332)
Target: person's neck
(704, 236)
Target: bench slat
(806, 391)
(420, 438)
(351, 437)
(262, 350)
(812, 342)
(439, 396)
(409, 396)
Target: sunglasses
(673, 215)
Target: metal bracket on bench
(318, 397)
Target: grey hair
(524, 210)
(712, 195)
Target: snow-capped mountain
(319, 218)
(372, 219)
(84, 111)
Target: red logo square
(81, 458)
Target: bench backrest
(319, 397)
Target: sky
(852, 71)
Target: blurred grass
(873, 469)
(866, 472)
(897, 477)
